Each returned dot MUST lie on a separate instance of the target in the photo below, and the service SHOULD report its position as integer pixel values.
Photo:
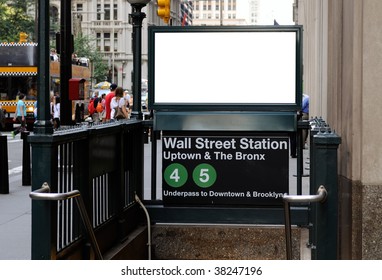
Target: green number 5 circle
(204, 175)
(175, 175)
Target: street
(15, 152)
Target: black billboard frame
(223, 107)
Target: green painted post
(66, 51)
(42, 149)
(325, 215)
(4, 177)
(138, 166)
(43, 212)
(43, 124)
(26, 173)
(315, 126)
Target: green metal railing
(289, 199)
(103, 163)
(44, 194)
(323, 217)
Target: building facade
(342, 63)
(225, 12)
(242, 12)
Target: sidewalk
(15, 221)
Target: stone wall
(354, 102)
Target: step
(133, 248)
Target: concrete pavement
(15, 219)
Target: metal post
(26, 173)
(325, 216)
(154, 137)
(43, 212)
(43, 124)
(288, 199)
(4, 177)
(66, 48)
(44, 194)
(42, 152)
(300, 154)
(137, 17)
(315, 126)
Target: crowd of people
(105, 108)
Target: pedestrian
(96, 100)
(108, 99)
(127, 97)
(102, 111)
(35, 110)
(20, 115)
(118, 101)
(56, 112)
(53, 55)
(131, 103)
(305, 117)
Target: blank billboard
(204, 67)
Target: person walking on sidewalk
(305, 117)
(108, 99)
(56, 112)
(20, 115)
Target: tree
(14, 20)
(84, 47)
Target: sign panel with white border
(225, 170)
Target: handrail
(319, 197)
(148, 224)
(44, 194)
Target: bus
(18, 74)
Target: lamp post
(66, 50)
(43, 124)
(137, 17)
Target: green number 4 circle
(175, 175)
(204, 175)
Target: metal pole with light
(66, 51)
(137, 17)
(43, 125)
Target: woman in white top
(56, 112)
(118, 101)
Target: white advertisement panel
(242, 67)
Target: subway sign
(226, 170)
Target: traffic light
(164, 9)
(23, 37)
